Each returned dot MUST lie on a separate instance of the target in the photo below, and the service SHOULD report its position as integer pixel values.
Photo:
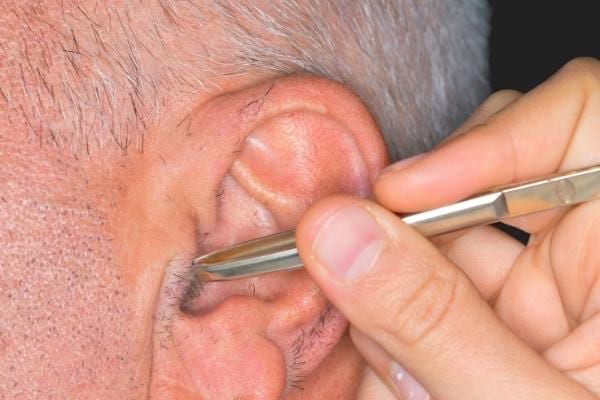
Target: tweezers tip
(201, 271)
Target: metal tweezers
(278, 252)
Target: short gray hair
(419, 65)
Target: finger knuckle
(497, 101)
(423, 305)
(501, 96)
(583, 71)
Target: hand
(475, 314)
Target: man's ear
(250, 163)
(300, 138)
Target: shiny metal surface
(474, 211)
(278, 252)
(555, 191)
(255, 257)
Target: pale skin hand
(476, 314)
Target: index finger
(553, 128)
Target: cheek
(65, 311)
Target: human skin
(97, 237)
(478, 314)
(94, 250)
(102, 240)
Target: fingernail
(408, 387)
(348, 242)
(402, 164)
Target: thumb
(396, 288)
(371, 388)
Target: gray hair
(420, 66)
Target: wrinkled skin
(96, 240)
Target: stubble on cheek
(65, 329)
